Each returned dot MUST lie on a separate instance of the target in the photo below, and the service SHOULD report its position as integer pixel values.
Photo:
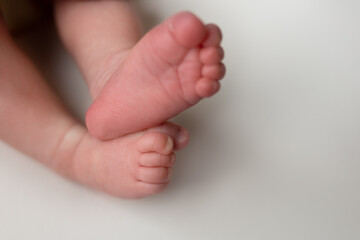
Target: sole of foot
(170, 69)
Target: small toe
(214, 36)
(207, 87)
(211, 55)
(154, 175)
(215, 72)
(157, 160)
(155, 142)
(148, 189)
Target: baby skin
(137, 84)
(144, 83)
(133, 166)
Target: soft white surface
(275, 155)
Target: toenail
(183, 135)
(214, 85)
(221, 53)
(172, 158)
(170, 171)
(170, 143)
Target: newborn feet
(170, 69)
(134, 166)
(173, 67)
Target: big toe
(179, 135)
(187, 29)
(171, 40)
(155, 142)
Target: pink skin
(170, 69)
(136, 86)
(35, 122)
(134, 166)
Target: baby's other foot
(133, 166)
(170, 69)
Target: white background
(275, 155)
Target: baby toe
(214, 36)
(206, 87)
(179, 134)
(215, 72)
(148, 189)
(187, 29)
(157, 160)
(154, 175)
(211, 55)
(155, 142)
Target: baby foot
(134, 166)
(173, 67)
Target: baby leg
(137, 85)
(34, 121)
